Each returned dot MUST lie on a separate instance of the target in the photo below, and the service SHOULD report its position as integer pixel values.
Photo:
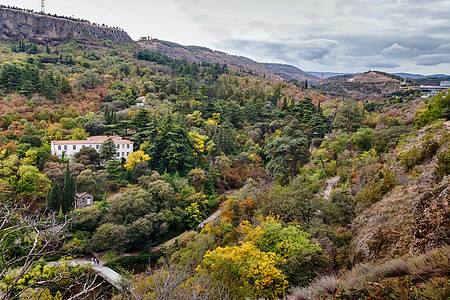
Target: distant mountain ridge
(18, 25)
(202, 54)
(328, 74)
(290, 72)
(420, 76)
(403, 75)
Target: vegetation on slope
(208, 137)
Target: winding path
(201, 225)
(330, 183)
(111, 276)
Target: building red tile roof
(97, 139)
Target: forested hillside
(311, 189)
(200, 54)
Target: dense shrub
(378, 187)
(443, 162)
(388, 138)
(410, 158)
(137, 264)
(363, 139)
(437, 107)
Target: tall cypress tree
(54, 198)
(68, 192)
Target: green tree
(225, 139)
(87, 156)
(116, 171)
(436, 108)
(109, 236)
(107, 150)
(172, 150)
(93, 182)
(289, 151)
(295, 203)
(363, 139)
(78, 134)
(348, 117)
(95, 126)
(149, 228)
(54, 198)
(68, 192)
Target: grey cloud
(444, 48)
(433, 59)
(344, 35)
(291, 52)
(383, 65)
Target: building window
(59, 147)
(74, 147)
(96, 147)
(65, 147)
(118, 146)
(128, 146)
(123, 153)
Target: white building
(71, 147)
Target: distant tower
(321, 78)
(42, 2)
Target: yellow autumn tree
(271, 236)
(200, 142)
(215, 120)
(247, 271)
(135, 157)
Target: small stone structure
(84, 199)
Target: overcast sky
(320, 35)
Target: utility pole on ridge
(42, 2)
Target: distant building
(445, 84)
(70, 147)
(84, 199)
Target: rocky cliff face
(16, 24)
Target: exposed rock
(411, 219)
(19, 25)
(373, 77)
(432, 223)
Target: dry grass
(327, 283)
(325, 286)
(432, 264)
(392, 268)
